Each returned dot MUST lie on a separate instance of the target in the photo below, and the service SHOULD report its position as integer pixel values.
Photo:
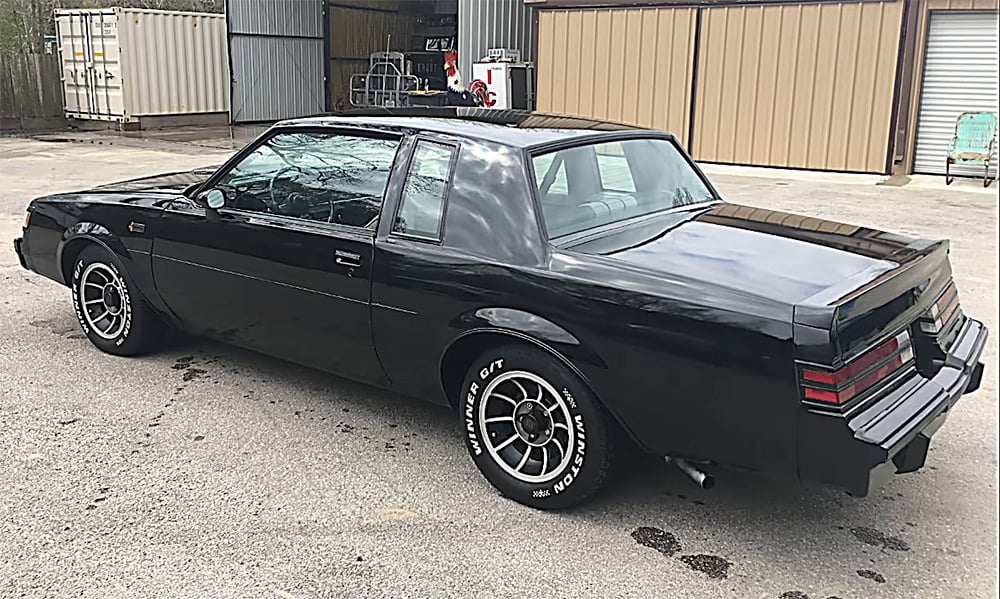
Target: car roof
(508, 127)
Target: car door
(414, 286)
(285, 266)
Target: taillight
(937, 318)
(838, 387)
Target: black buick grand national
(564, 285)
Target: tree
(25, 23)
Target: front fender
(82, 233)
(135, 261)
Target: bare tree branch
(25, 23)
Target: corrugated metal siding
(804, 86)
(276, 52)
(276, 17)
(960, 75)
(627, 65)
(173, 63)
(276, 78)
(124, 63)
(484, 24)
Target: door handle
(345, 258)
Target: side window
(314, 176)
(422, 204)
(614, 169)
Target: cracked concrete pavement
(205, 470)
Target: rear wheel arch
(463, 351)
(470, 345)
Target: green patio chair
(974, 143)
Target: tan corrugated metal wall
(804, 85)
(791, 85)
(627, 65)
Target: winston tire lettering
(577, 463)
(126, 309)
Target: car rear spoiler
(879, 300)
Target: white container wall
(120, 64)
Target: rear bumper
(892, 435)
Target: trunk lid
(860, 284)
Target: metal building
(484, 24)
(864, 85)
(276, 53)
(296, 57)
(956, 71)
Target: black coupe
(565, 285)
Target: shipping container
(144, 67)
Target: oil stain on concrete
(667, 544)
(712, 565)
(871, 575)
(655, 538)
(877, 538)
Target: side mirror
(213, 199)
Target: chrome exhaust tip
(702, 479)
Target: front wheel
(111, 312)
(534, 429)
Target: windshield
(593, 185)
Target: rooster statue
(476, 95)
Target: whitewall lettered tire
(534, 429)
(111, 312)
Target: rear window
(588, 186)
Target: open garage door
(960, 75)
(276, 58)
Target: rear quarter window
(425, 192)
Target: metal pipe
(700, 478)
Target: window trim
(455, 148)
(343, 130)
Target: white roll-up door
(960, 75)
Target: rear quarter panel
(693, 370)
(689, 370)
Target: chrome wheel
(103, 300)
(527, 426)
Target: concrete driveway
(207, 471)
